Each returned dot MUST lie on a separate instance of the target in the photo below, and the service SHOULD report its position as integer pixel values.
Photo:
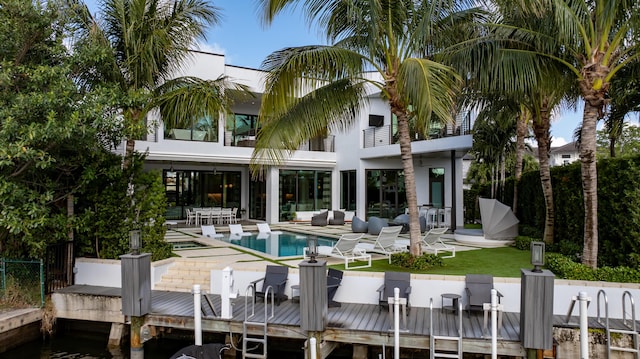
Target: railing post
(584, 325)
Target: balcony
(326, 144)
(387, 135)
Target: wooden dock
(351, 323)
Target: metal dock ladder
(630, 323)
(435, 339)
(260, 340)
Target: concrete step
(184, 273)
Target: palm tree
(396, 40)
(594, 36)
(532, 92)
(137, 47)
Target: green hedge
(618, 209)
(564, 267)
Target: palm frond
(293, 72)
(429, 88)
(332, 107)
(186, 98)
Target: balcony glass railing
(387, 135)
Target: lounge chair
(338, 218)
(263, 228)
(334, 278)
(345, 248)
(320, 219)
(432, 242)
(236, 230)
(386, 243)
(276, 278)
(210, 231)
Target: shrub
(564, 267)
(420, 263)
(523, 243)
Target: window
(386, 195)
(304, 190)
(436, 187)
(566, 156)
(348, 190)
(201, 129)
(242, 128)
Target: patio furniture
(478, 291)
(345, 249)
(191, 216)
(358, 225)
(276, 278)
(386, 243)
(376, 224)
(334, 278)
(338, 218)
(392, 280)
(431, 242)
(264, 228)
(320, 219)
(210, 231)
(237, 230)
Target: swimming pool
(287, 244)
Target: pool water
(287, 244)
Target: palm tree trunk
(410, 183)
(130, 146)
(589, 184)
(541, 131)
(521, 131)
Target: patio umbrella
(498, 221)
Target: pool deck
(228, 253)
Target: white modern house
(359, 170)
(564, 155)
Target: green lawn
(499, 262)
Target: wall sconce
(312, 248)
(171, 167)
(134, 241)
(537, 256)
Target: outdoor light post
(134, 241)
(536, 304)
(312, 251)
(313, 295)
(537, 256)
(136, 291)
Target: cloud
(212, 48)
(558, 141)
(555, 142)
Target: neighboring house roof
(569, 147)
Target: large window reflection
(386, 194)
(241, 130)
(198, 129)
(188, 189)
(302, 190)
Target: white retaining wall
(361, 287)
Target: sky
(245, 42)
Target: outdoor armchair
(276, 278)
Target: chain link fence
(21, 283)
